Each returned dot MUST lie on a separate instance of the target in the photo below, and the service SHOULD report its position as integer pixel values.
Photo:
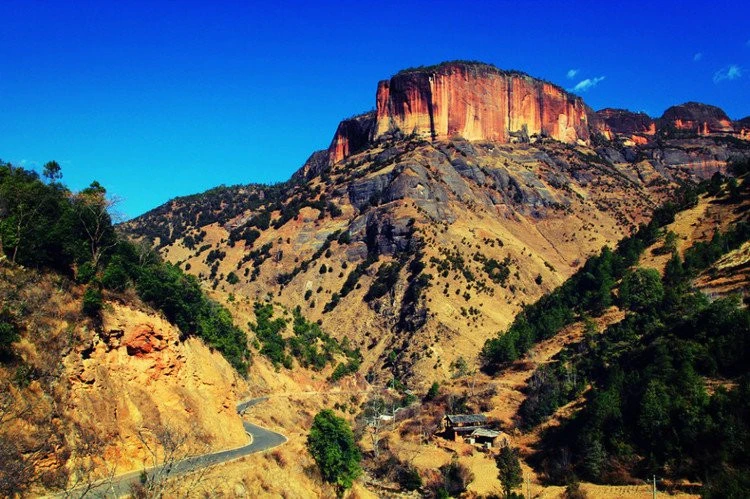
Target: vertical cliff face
(702, 119)
(352, 135)
(477, 102)
(481, 102)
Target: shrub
(641, 289)
(331, 443)
(85, 273)
(408, 477)
(92, 301)
(115, 276)
(432, 392)
(456, 478)
(8, 331)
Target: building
(488, 438)
(461, 426)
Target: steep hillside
(110, 360)
(94, 398)
(416, 244)
(593, 399)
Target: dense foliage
(650, 410)
(310, 345)
(44, 225)
(331, 443)
(588, 291)
(670, 384)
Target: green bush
(408, 477)
(331, 443)
(432, 392)
(92, 301)
(8, 332)
(641, 289)
(86, 272)
(115, 277)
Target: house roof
(484, 432)
(466, 418)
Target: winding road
(261, 439)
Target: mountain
(429, 222)
(474, 240)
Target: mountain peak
(470, 99)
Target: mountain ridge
(410, 237)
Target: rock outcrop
(315, 164)
(351, 136)
(471, 100)
(137, 379)
(742, 127)
(612, 122)
(477, 102)
(698, 118)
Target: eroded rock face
(743, 128)
(138, 378)
(702, 119)
(352, 135)
(613, 122)
(143, 340)
(477, 102)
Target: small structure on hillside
(473, 429)
(460, 426)
(488, 438)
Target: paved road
(260, 439)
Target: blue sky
(159, 99)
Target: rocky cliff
(471, 100)
(695, 117)
(612, 122)
(477, 102)
(743, 128)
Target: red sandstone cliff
(477, 102)
(481, 102)
(742, 128)
(472, 100)
(613, 122)
(702, 119)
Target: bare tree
(167, 451)
(84, 478)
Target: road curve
(261, 439)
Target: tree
(22, 200)
(331, 443)
(52, 171)
(456, 478)
(93, 207)
(432, 392)
(509, 469)
(641, 289)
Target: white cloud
(572, 73)
(731, 72)
(587, 84)
(698, 56)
